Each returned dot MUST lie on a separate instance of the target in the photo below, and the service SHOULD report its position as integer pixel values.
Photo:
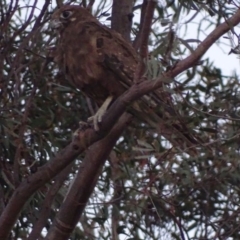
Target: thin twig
(90, 4)
(144, 36)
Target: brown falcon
(99, 62)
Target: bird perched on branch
(99, 62)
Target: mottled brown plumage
(84, 50)
(101, 63)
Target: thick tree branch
(89, 136)
(122, 17)
(118, 194)
(136, 42)
(47, 203)
(146, 28)
(144, 36)
(84, 183)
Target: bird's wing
(118, 56)
(112, 51)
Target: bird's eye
(66, 14)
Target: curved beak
(55, 24)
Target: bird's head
(68, 14)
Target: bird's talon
(84, 125)
(99, 119)
(90, 119)
(94, 121)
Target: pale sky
(219, 54)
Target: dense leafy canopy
(147, 188)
